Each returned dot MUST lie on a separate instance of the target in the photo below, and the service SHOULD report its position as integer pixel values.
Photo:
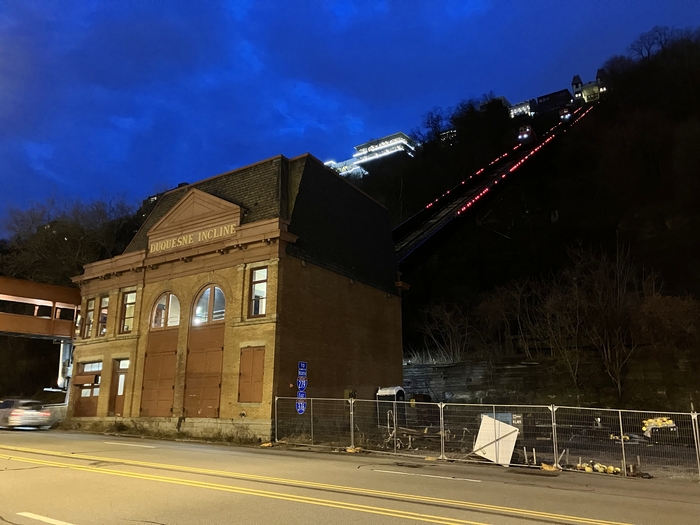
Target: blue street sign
(302, 383)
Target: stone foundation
(229, 430)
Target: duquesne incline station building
(228, 285)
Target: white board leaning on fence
(496, 440)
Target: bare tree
(613, 294)
(643, 46)
(664, 35)
(559, 324)
(507, 313)
(448, 331)
(435, 121)
(666, 322)
(50, 242)
(615, 347)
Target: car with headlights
(24, 413)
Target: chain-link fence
(624, 442)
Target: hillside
(611, 211)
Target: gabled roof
(255, 188)
(338, 226)
(192, 207)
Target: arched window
(166, 312)
(210, 306)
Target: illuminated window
(127, 313)
(89, 319)
(78, 324)
(102, 316)
(258, 292)
(166, 313)
(90, 386)
(210, 306)
(93, 367)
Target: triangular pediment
(195, 209)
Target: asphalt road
(64, 478)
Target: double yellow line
(410, 498)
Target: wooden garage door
(159, 374)
(203, 372)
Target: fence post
(311, 410)
(396, 433)
(496, 437)
(441, 406)
(276, 421)
(696, 437)
(555, 445)
(352, 422)
(622, 443)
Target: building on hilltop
(554, 101)
(397, 143)
(229, 287)
(527, 108)
(448, 137)
(590, 91)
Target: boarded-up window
(250, 382)
(87, 383)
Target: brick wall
(349, 333)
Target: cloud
(127, 97)
(39, 156)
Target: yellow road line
(45, 519)
(254, 492)
(340, 488)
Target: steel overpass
(40, 311)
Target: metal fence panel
(534, 423)
(586, 436)
(331, 422)
(614, 441)
(325, 422)
(290, 426)
(659, 443)
(373, 430)
(400, 427)
(696, 437)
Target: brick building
(229, 284)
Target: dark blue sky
(132, 97)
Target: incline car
(526, 135)
(565, 115)
(23, 413)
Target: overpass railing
(606, 441)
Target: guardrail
(624, 442)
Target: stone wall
(240, 431)
(655, 381)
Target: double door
(205, 355)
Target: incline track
(415, 231)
